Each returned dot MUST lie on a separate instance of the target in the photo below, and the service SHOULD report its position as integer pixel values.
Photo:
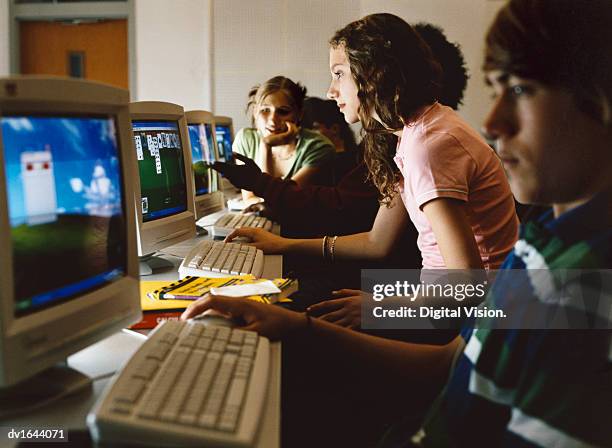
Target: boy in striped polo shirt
(549, 63)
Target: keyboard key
(169, 338)
(129, 392)
(233, 348)
(189, 341)
(209, 332)
(236, 392)
(218, 346)
(236, 337)
(247, 351)
(223, 333)
(146, 369)
(203, 343)
(159, 352)
(195, 330)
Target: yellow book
(156, 310)
(148, 301)
(192, 288)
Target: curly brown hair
(396, 75)
(295, 91)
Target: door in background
(94, 50)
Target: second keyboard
(231, 221)
(220, 259)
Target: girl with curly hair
(442, 175)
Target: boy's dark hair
(294, 90)
(450, 57)
(396, 74)
(327, 113)
(564, 43)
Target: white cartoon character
(39, 186)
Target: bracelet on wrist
(331, 248)
(324, 248)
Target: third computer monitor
(164, 193)
(204, 151)
(225, 137)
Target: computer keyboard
(231, 221)
(219, 259)
(189, 384)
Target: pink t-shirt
(441, 156)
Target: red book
(150, 319)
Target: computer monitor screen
(163, 184)
(202, 153)
(67, 224)
(224, 142)
(68, 263)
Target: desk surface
(107, 356)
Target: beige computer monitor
(163, 182)
(224, 131)
(208, 197)
(69, 270)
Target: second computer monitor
(201, 127)
(164, 194)
(224, 131)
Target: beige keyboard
(189, 384)
(219, 259)
(231, 221)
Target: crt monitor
(225, 137)
(163, 179)
(68, 270)
(201, 127)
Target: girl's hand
(271, 321)
(345, 311)
(260, 208)
(283, 138)
(261, 239)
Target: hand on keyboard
(266, 241)
(271, 321)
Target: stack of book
(164, 300)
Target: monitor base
(149, 264)
(46, 387)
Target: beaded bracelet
(331, 248)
